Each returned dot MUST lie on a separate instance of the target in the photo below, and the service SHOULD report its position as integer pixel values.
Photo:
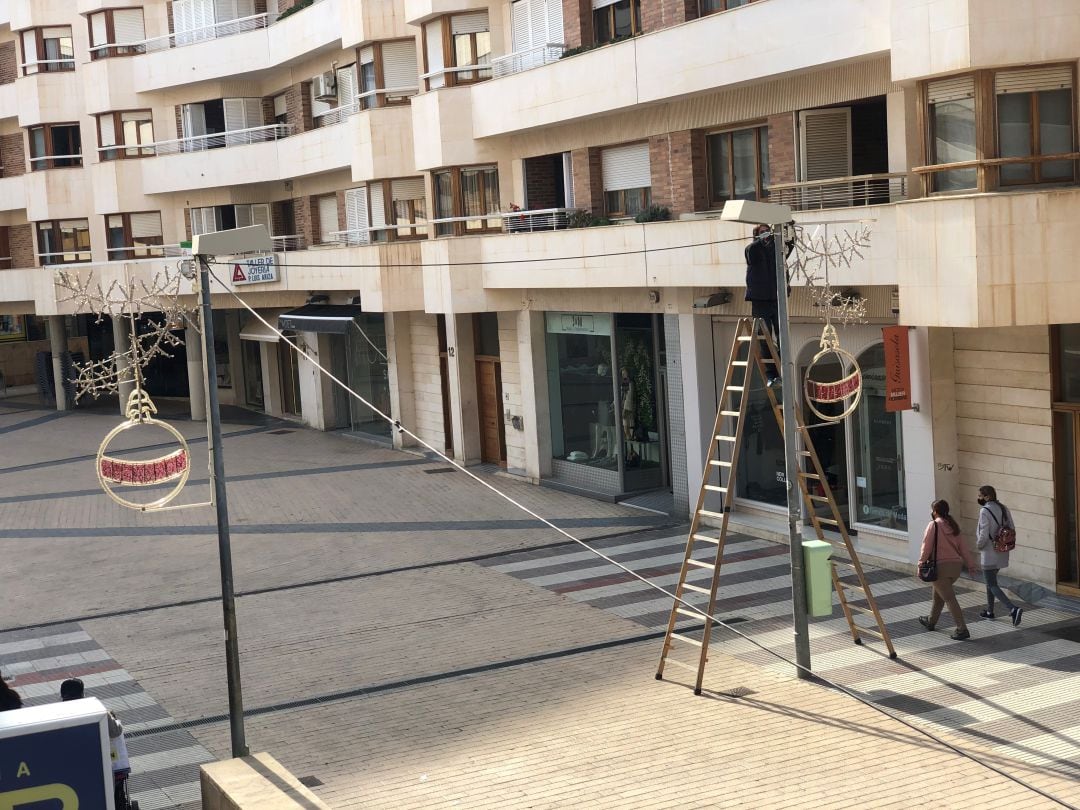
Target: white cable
(704, 615)
(365, 336)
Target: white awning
(257, 330)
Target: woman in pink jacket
(943, 538)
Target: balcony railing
(395, 92)
(542, 219)
(47, 66)
(335, 115)
(218, 140)
(64, 257)
(287, 242)
(226, 28)
(482, 71)
(530, 58)
(840, 192)
(983, 168)
(130, 253)
(353, 236)
(49, 161)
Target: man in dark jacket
(761, 286)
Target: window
(627, 176)
(132, 130)
(951, 114)
(400, 202)
(738, 165)
(133, 236)
(454, 42)
(387, 73)
(226, 217)
(63, 241)
(46, 50)
(470, 195)
(116, 32)
(1034, 115)
(55, 146)
(281, 115)
(613, 21)
(713, 6)
(878, 445)
(534, 24)
(328, 218)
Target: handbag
(928, 569)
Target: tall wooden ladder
(753, 348)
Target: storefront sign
(579, 323)
(257, 270)
(56, 756)
(897, 369)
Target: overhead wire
(635, 575)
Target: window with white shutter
(433, 40)
(260, 215)
(99, 29)
(328, 223)
(242, 215)
(627, 176)
(128, 25)
(356, 216)
(470, 44)
(346, 87)
(400, 75)
(377, 208)
(568, 180)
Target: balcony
(109, 84)
(214, 160)
(12, 193)
(442, 130)
(9, 101)
(526, 60)
(326, 149)
(48, 96)
(371, 22)
(841, 192)
(382, 143)
(57, 194)
(720, 51)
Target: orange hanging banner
(897, 369)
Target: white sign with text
(257, 270)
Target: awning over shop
(255, 329)
(328, 318)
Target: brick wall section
(21, 245)
(577, 23)
(169, 15)
(187, 224)
(268, 110)
(588, 179)
(341, 223)
(285, 5)
(781, 148)
(666, 13)
(9, 63)
(260, 6)
(307, 220)
(298, 108)
(679, 177)
(12, 154)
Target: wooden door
(489, 400)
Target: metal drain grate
(438, 470)
(737, 692)
(310, 781)
(280, 432)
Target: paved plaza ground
(410, 641)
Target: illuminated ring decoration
(832, 392)
(174, 466)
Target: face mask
(982, 501)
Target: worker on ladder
(761, 286)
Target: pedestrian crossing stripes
(164, 765)
(1013, 689)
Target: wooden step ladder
(753, 348)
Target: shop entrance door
(289, 376)
(1065, 372)
(489, 388)
(253, 376)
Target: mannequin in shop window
(629, 420)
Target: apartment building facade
(453, 187)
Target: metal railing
(76, 162)
(840, 192)
(335, 115)
(81, 256)
(226, 28)
(530, 58)
(483, 71)
(983, 169)
(353, 236)
(117, 48)
(396, 92)
(218, 140)
(542, 219)
(137, 252)
(61, 65)
(287, 242)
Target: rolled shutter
(367, 55)
(1033, 81)
(435, 62)
(603, 3)
(235, 117)
(243, 215)
(327, 218)
(356, 216)
(253, 113)
(147, 223)
(128, 25)
(29, 48)
(399, 65)
(952, 89)
(474, 23)
(225, 10)
(407, 188)
(826, 143)
(260, 215)
(245, 8)
(279, 105)
(519, 22)
(108, 130)
(377, 205)
(555, 34)
(568, 180)
(626, 167)
(98, 30)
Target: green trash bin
(818, 572)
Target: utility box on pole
(818, 569)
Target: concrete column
(699, 396)
(464, 412)
(271, 376)
(311, 387)
(402, 388)
(58, 345)
(920, 431)
(535, 400)
(121, 344)
(195, 374)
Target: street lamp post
(777, 216)
(224, 243)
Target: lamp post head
(756, 213)
(253, 239)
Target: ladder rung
(701, 564)
(871, 630)
(744, 338)
(803, 453)
(829, 521)
(729, 413)
(735, 387)
(683, 664)
(693, 614)
(687, 639)
(860, 609)
(704, 538)
(820, 498)
(725, 438)
(707, 513)
(739, 362)
(845, 563)
(813, 476)
(849, 587)
(714, 488)
(696, 589)
(719, 463)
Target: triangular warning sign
(238, 273)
